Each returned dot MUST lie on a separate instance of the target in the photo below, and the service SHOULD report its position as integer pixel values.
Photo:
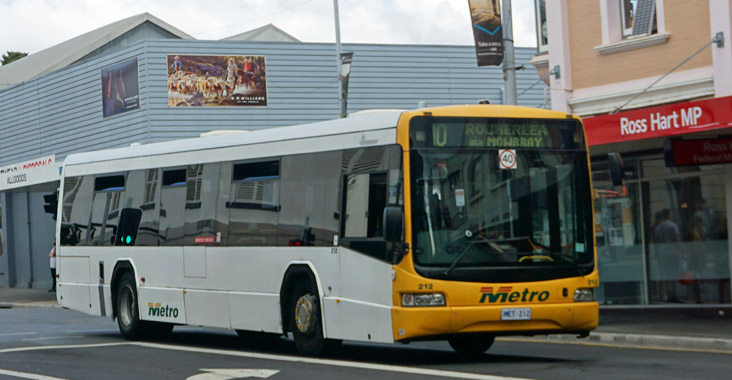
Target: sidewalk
(17, 297)
(703, 329)
(665, 328)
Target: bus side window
(171, 228)
(254, 203)
(102, 226)
(77, 201)
(365, 198)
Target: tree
(11, 56)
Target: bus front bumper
(424, 323)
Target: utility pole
(509, 61)
(338, 58)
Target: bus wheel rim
(126, 303)
(305, 314)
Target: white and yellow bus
(458, 223)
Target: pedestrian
(667, 238)
(52, 264)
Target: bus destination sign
(495, 133)
(501, 135)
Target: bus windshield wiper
(492, 244)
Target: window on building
(638, 17)
(631, 24)
(542, 35)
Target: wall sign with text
(667, 120)
(697, 152)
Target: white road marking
(330, 362)
(231, 373)
(25, 333)
(55, 337)
(25, 375)
(39, 348)
(295, 359)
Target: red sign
(698, 152)
(667, 120)
(203, 240)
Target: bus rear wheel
(471, 344)
(306, 321)
(128, 316)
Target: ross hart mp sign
(667, 120)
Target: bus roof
(362, 121)
(375, 120)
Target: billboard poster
(120, 88)
(487, 31)
(216, 80)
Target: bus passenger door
(365, 305)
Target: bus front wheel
(471, 344)
(306, 321)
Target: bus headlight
(423, 299)
(584, 295)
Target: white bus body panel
(365, 303)
(75, 295)
(161, 304)
(240, 287)
(236, 287)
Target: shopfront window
(665, 240)
(619, 239)
(688, 257)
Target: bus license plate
(516, 314)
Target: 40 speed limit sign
(507, 158)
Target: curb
(12, 305)
(646, 340)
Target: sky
(33, 25)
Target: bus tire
(128, 316)
(306, 320)
(471, 344)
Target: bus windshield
(500, 194)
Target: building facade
(68, 99)
(652, 80)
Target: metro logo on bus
(504, 294)
(157, 310)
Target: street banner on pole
(346, 59)
(487, 30)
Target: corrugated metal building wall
(61, 112)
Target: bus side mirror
(393, 220)
(617, 169)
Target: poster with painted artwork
(120, 88)
(216, 80)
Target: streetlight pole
(338, 59)
(509, 61)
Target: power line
(256, 18)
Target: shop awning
(661, 121)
